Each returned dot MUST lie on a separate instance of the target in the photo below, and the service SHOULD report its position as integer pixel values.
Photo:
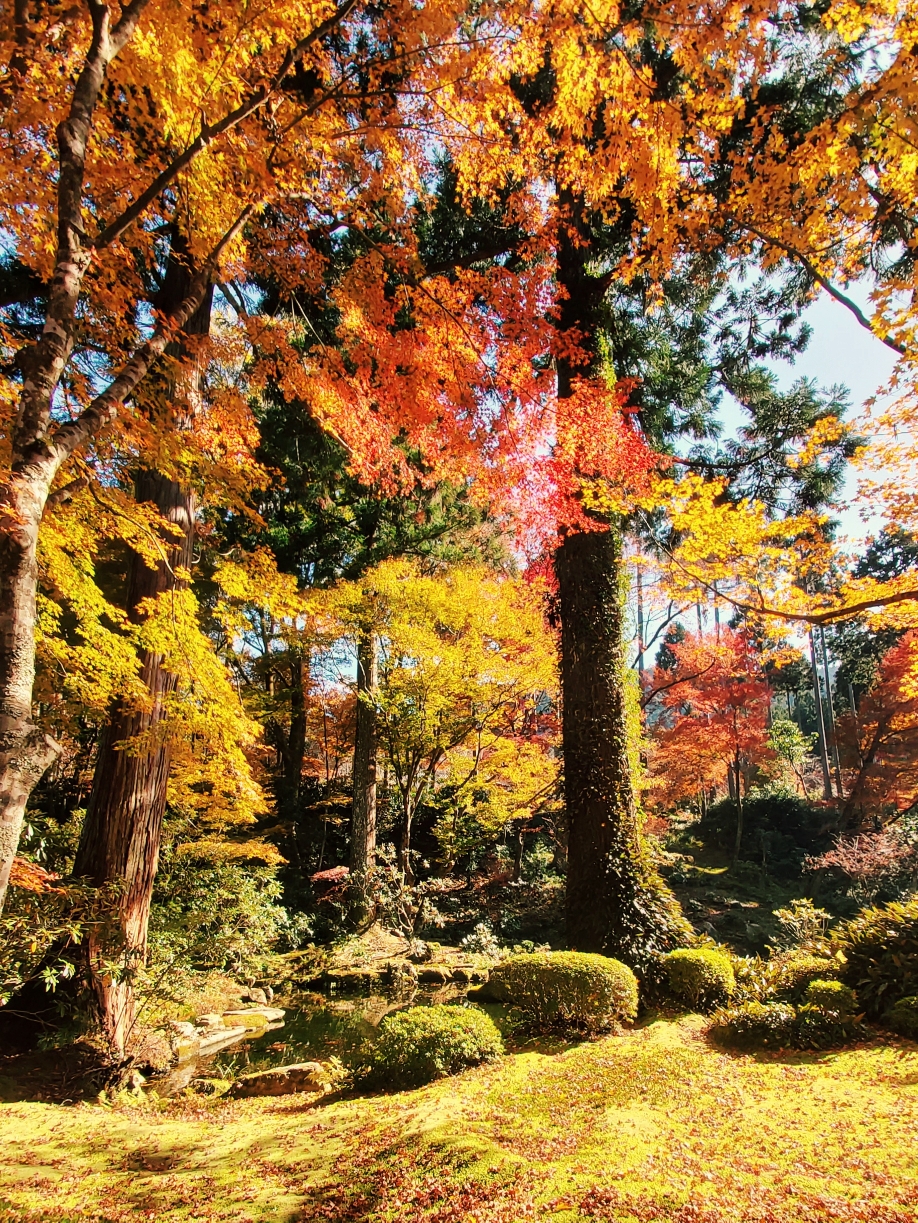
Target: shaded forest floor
(654, 1125)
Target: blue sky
(840, 351)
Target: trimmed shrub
(567, 989)
(903, 1017)
(832, 996)
(792, 974)
(430, 1042)
(817, 1027)
(755, 1025)
(880, 946)
(701, 976)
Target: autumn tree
(879, 742)
(465, 658)
(714, 719)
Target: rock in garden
(256, 995)
(283, 1081)
(253, 1016)
(434, 975)
(181, 1027)
(210, 1021)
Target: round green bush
(700, 976)
(832, 996)
(880, 947)
(567, 989)
(430, 1042)
(755, 1025)
(792, 974)
(819, 1027)
(903, 1017)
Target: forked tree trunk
(121, 834)
(363, 823)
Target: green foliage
(832, 996)
(482, 940)
(430, 1042)
(775, 821)
(903, 1017)
(802, 924)
(701, 976)
(880, 946)
(754, 1025)
(567, 989)
(819, 1027)
(791, 975)
(214, 913)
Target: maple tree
(464, 660)
(714, 719)
(879, 741)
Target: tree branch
(827, 284)
(210, 131)
(104, 407)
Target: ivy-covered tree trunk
(363, 824)
(120, 839)
(604, 876)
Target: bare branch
(827, 284)
(104, 407)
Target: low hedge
(700, 976)
(903, 1017)
(754, 1025)
(880, 947)
(429, 1042)
(567, 989)
(791, 974)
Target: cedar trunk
(363, 824)
(121, 834)
(616, 904)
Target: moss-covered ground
(654, 1125)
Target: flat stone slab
(282, 1081)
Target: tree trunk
(616, 904)
(121, 834)
(612, 896)
(363, 823)
(25, 751)
(739, 810)
(820, 723)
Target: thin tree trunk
(363, 823)
(739, 810)
(821, 723)
(121, 834)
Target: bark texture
(616, 903)
(121, 834)
(604, 876)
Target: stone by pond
(314, 1029)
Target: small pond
(316, 1027)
